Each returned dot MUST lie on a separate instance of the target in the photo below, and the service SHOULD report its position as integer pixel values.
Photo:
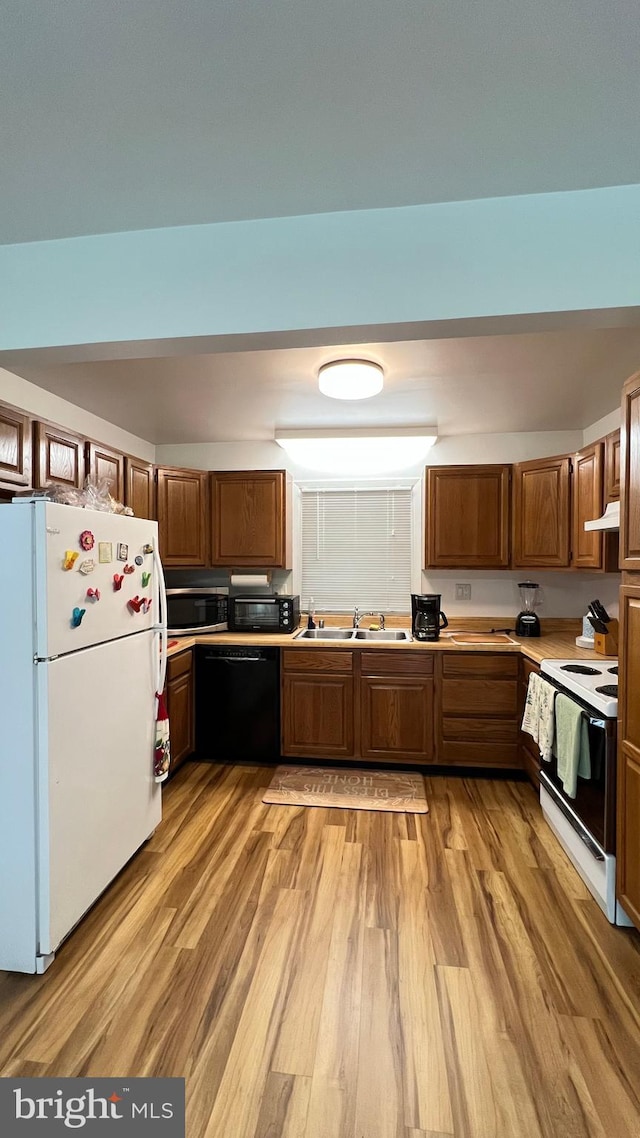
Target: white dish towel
(539, 719)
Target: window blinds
(356, 549)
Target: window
(356, 549)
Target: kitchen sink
(324, 634)
(353, 634)
(382, 634)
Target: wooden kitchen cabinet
(15, 447)
(630, 476)
(181, 499)
(317, 703)
(59, 457)
(587, 487)
(612, 467)
(396, 707)
(529, 751)
(541, 513)
(628, 789)
(250, 519)
(467, 517)
(102, 462)
(139, 487)
(180, 707)
(477, 717)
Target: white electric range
(594, 682)
(586, 825)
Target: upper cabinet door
(15, 447)
(249, 519)
(630, 476)
(541, 517)
(612, 467)
(587, 504)
(109, 464)
(58, 457)
(467, 520)
(139, 487)
(182, 516)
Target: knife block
(607, 644)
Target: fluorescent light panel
(373, 450)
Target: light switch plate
(463, 592)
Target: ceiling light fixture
(361, 451)
(350, 379)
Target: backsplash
(563, 594)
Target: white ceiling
(545, 381)
(166, 112)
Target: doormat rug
(347, 789)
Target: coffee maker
(427, 617)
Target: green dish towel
(571, 746)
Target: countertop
(557, 645)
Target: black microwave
(191, 611)
(264, 614)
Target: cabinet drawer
(480, 664)
(463, 754)
(179, 664)
(480, 730)
(479, 697)
(317, 660)
(396, 662)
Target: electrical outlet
(463, 592)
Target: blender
(527, 622)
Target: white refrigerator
(82, 655)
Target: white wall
(495, 593)
(604, 426)
(43, 404)
(536, 253)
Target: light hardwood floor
(318, 973)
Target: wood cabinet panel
(102, 462)
(396, 663)
(587, 503)
(477, 702)
(249, 518)
(630, 475)
(460, 753)
(479, 697)
(396, 718)
(612, 467)
(317, 660)
(139, 487)
(182, 516)
(541, 513)
(58, 457)
(628, 789)
(180, 707)
(499, 666)
(15, 447)
(467, 522)
(317, 716)
(628, 860)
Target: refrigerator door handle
(162, 630)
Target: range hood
(609, 520)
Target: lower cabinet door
(396, 719)
(317, 717)
(180, 694)
(628, 837)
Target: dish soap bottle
(310, 621)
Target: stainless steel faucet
(357, 617)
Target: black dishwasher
(237, 704)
